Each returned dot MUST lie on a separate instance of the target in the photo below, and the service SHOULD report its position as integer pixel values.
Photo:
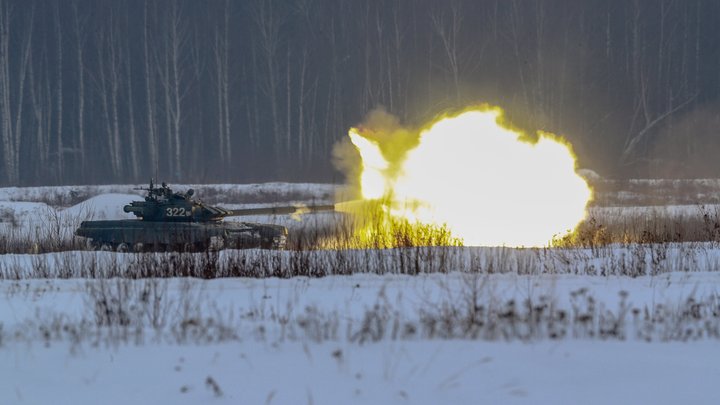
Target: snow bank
(104, 206)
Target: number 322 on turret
(176, 212)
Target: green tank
(175, 221)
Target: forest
(101, 91)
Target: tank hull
(150, 235)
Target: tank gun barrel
(284, 210)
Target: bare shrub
(7, 216)
(123, 311)
(477, 314)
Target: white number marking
(175, 212)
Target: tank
(167, 220)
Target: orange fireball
(488, 184)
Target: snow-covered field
(388, 372)
(627, 323)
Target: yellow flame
(485, 182)
(373, 179)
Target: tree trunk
(59, 95)
(152, 142)
(79, 35)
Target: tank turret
(163, 205)
(167, 220)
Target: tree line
(100, 91)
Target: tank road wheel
(199, 247)
(154, 247)
(106, 247)
(138, 247)
(122, 247)
(274, 242)
(216, 243)
(192, 247)
(266, 243)
(92, 245)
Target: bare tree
(171, 75)
(198, 58)
(654, 98)
(41, 113)
(221, 53)
(302, 96)
(268, 24)
(11, 99)
(516, 25)
(8, 137)
(59, 96)
(132, 136)
(288, 102)
(152, 142)
(448, 28)
(108, 84)
(79, 29)
(305, 9)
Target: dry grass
(121, 311)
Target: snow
(272, 368)
(34, 221)
(304, 340)
(353, 295)
(429, 372)
(104, 206)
